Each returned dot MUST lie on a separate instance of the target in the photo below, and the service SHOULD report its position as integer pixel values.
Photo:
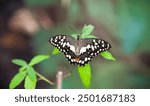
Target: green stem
(45, 79)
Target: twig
(67, 75)
(45, 79)
(59, 78)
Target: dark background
(27, 25)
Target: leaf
(17, 79)
(31, 73)
(55, 51)
(89, 36)
(22, 68)
(107, 55)
(37, 59)
(85, 75)
(75, 36)
(29, 84)
(87, 30)
(84, 28)
(19, 62)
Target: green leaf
(84, 28)
(38, 59)
(75, 36)
(29, 84)
(107, 55)
(19, 62)
(87, 30)
(31, 73)
(55, 51)
(89, 36)
(22, 68)
(17, 79)
(85, 75)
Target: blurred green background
(27, 25)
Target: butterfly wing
(92, 47)
(66, 45)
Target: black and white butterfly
(81, 50)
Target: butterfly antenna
(72, 30)
(75, 32)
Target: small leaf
(29, 84)
(84, 28)
(19, 62)
(89, 36)
(38, 59)
(107, 55)
(17, 79)
(31, 73)
(75, 36)
(22, 68)
(55, 51)
(85, 75)
(87, 30)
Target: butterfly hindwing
(91, 48)
(79, 51)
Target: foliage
(85, 75)
(26, 72)
(126, 22)
(107, 55)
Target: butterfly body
(79, 51)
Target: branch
(45, 79)
(59, 79)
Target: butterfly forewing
(79, 51)
(64, 44)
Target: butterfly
(81, 50)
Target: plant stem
(59, 78)
(45, 79)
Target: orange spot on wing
(77, 59)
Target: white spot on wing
(103, 45)
(82, 50)
(86, 59)
(88, 46)
(59, 36)
(89, 58)
(82, 62)
(92, 47)
(61, 43)
(96, 43)
(64, 44)
(94, 40)
(68, 44)
(108, 45)
(69, 57)
(72, 48)
(62, 40)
